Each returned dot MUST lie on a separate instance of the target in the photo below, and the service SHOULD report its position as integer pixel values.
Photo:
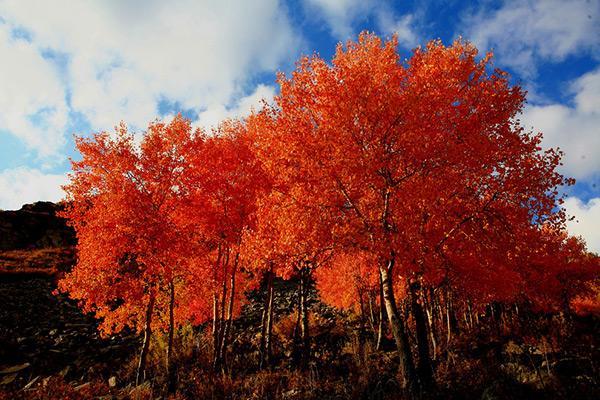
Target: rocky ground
(42, 334)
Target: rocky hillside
(34, 226)
(35, 240)
(41, 333)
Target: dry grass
(48, 261)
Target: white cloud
(22, 185)
(217, 112)
(32, 98)
(343, 16)
(403, 27)
(124, 57)
(587, 221)
(524, 32)
(576, 130)
(340, 15)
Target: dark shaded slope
(34, 226)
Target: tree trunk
(297, 352)
(380, 327)
(470, 314)
(424, 368)
(361, 303)
(215, 328)
(429, 310)
(228, 324)
(221, 319)
(169, 359)
(406, 365)
(450, 318)
(304, 332)
(362, 329)
(448, 324)
(263, 332)
(268, 343)
(215, 321)
(141, 369)
(371, 314)
(267, 324)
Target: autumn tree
(290, 242)
(123, 201)
(224, 183)
(554, 269)
(409, 159)
(359, 293)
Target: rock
(15, 368)
(31, 383)
(112, 381)
(32, 328)
(8, 379)
(76, 325)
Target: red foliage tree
(223, 186)
(123, 201)
(414, 162)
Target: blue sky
(78, 67)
